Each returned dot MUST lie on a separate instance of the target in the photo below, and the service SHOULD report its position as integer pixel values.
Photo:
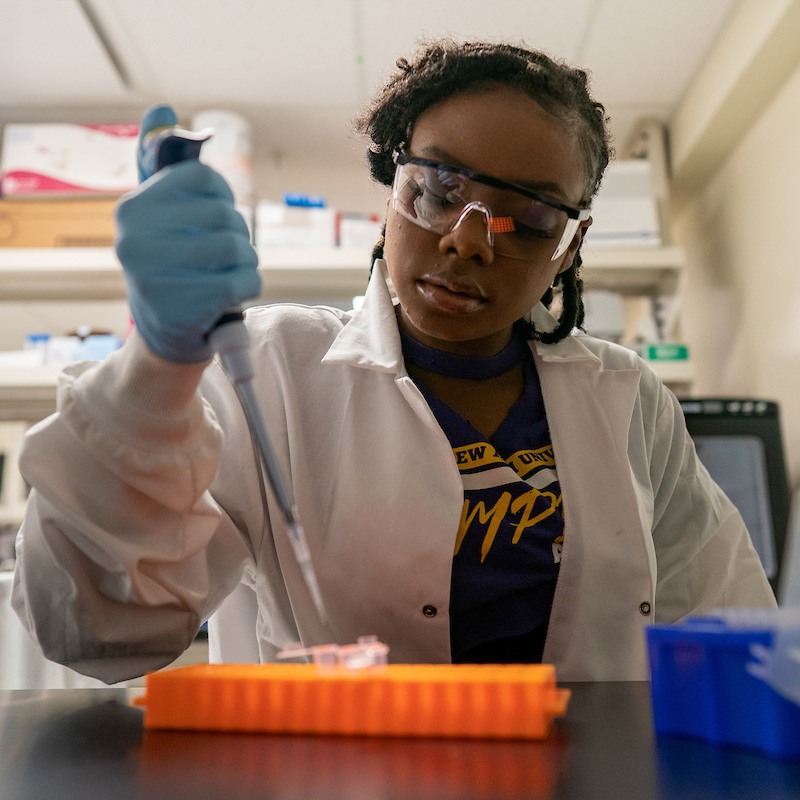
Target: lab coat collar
(371, 338)
(571, 348)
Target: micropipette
(228, 337)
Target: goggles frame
(575, 215)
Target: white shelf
(80, 273)
(38, 274)
(633, 271)
(674, 373)
(292, 273)
(28, 393)
(77, 274)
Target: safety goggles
(520, 223)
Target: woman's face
(455, 292)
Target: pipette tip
(298, 538)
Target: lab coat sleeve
(705, 555)
(123, 551)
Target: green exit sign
(665, 352)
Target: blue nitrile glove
(160, 116)
(185, 251)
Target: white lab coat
(148, 509)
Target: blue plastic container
(702, 687)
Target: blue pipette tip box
(701, 687)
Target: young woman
(476, 481)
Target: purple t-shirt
(508, 547)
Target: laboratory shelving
(71, 274)
(335, 274)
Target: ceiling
(300, 69)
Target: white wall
(735, 215)
(346, 186)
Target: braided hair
(445, 68)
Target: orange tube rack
(439, 700)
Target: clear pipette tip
(297, 536)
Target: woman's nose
(470, 237)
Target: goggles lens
(520, 225)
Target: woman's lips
(451, 296)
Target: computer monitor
(740, 443)
(789, 587)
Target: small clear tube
(368, 652)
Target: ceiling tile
(390, 31)
(282, 52)
(301, 69)
(646, 51)
(50, 53)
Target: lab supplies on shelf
(64, 159)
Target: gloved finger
(218, 217)
(190, 255)
(186, 178)
(198, 217)
(221, 251)
(185, 340)
(215, 292)
(140, 218)
(243, 284)
(158, 116)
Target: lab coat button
(644, 608)
(430, 611)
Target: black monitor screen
(739, 442)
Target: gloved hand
(185, 251)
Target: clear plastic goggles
(520, 223)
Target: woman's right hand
(186, 254)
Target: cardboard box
(58, 159)
(79, 222)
